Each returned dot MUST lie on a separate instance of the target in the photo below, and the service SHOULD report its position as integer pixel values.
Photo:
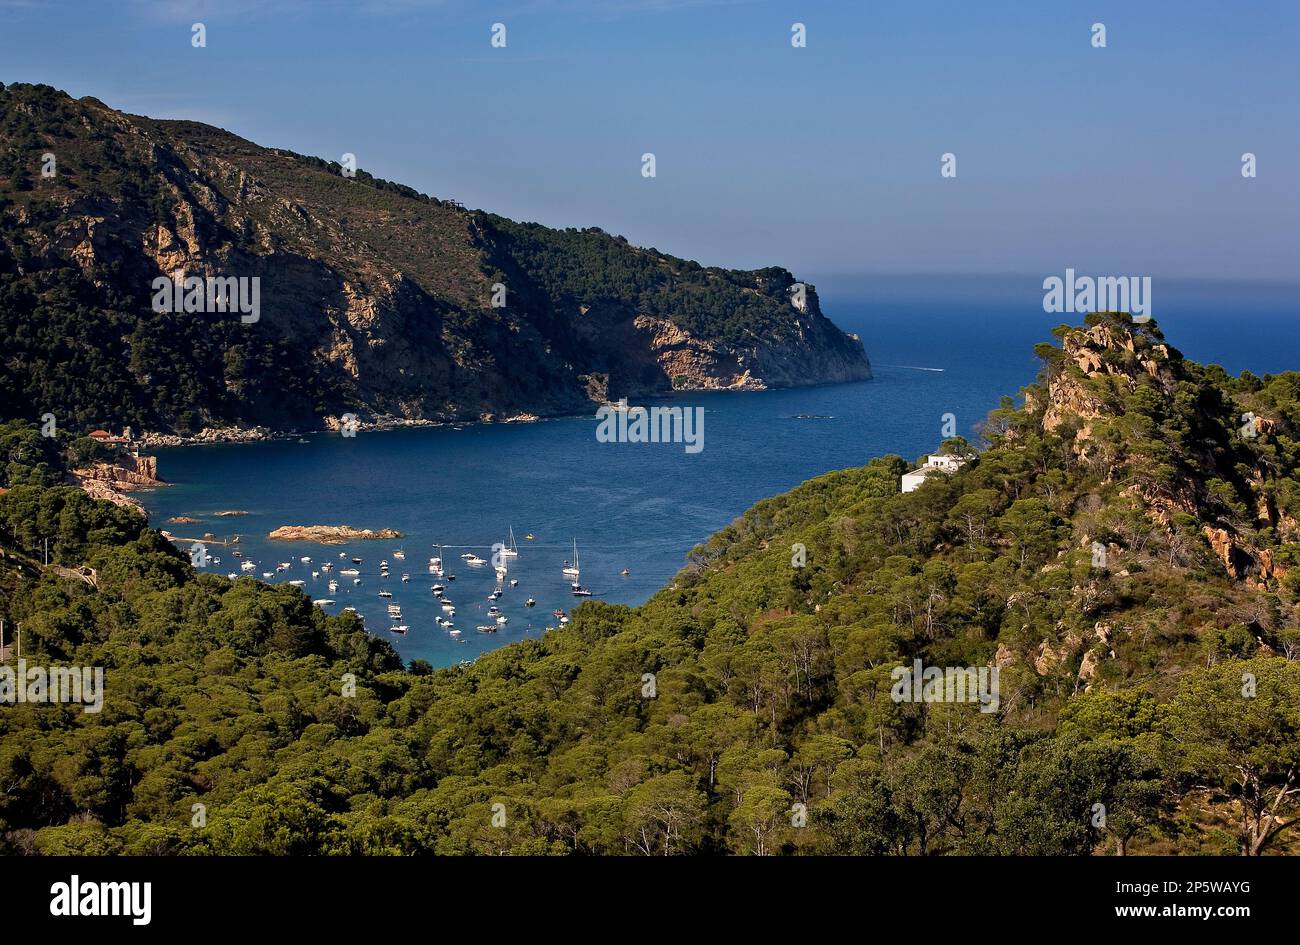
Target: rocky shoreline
(114, 481)
(259, 434)
(331, 534)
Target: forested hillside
(1149, 695)
(373, 299)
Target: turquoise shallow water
(644, 506)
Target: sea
(938, 346)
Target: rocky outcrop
(226, 434)
(1112, 358)
(1102, 350)
(112, 481)
(1256, 566)
(330, 534)
(692, 364)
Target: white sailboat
(510, 549)
(573, 570)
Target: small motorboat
(514, 582)
(503, 620)
(406, 579)
(385, 593)
(557, 614)
(354, 560)
(305, 560)
(486, 628)
(580, 591)
(323, 602)
(454, 632)
(400, 629)
(298, 583)
(625, 572)
(399, 555)
(350, 572)
(530, 603)
(474, 561)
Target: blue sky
(824, 159)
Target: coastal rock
(330, 534)
(112, 481)
(222, 434)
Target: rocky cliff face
(374, 299)
(113, 481)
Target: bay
(938, 346)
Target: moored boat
(572, 569)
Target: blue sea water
(937, 345)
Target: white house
(939, 462)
